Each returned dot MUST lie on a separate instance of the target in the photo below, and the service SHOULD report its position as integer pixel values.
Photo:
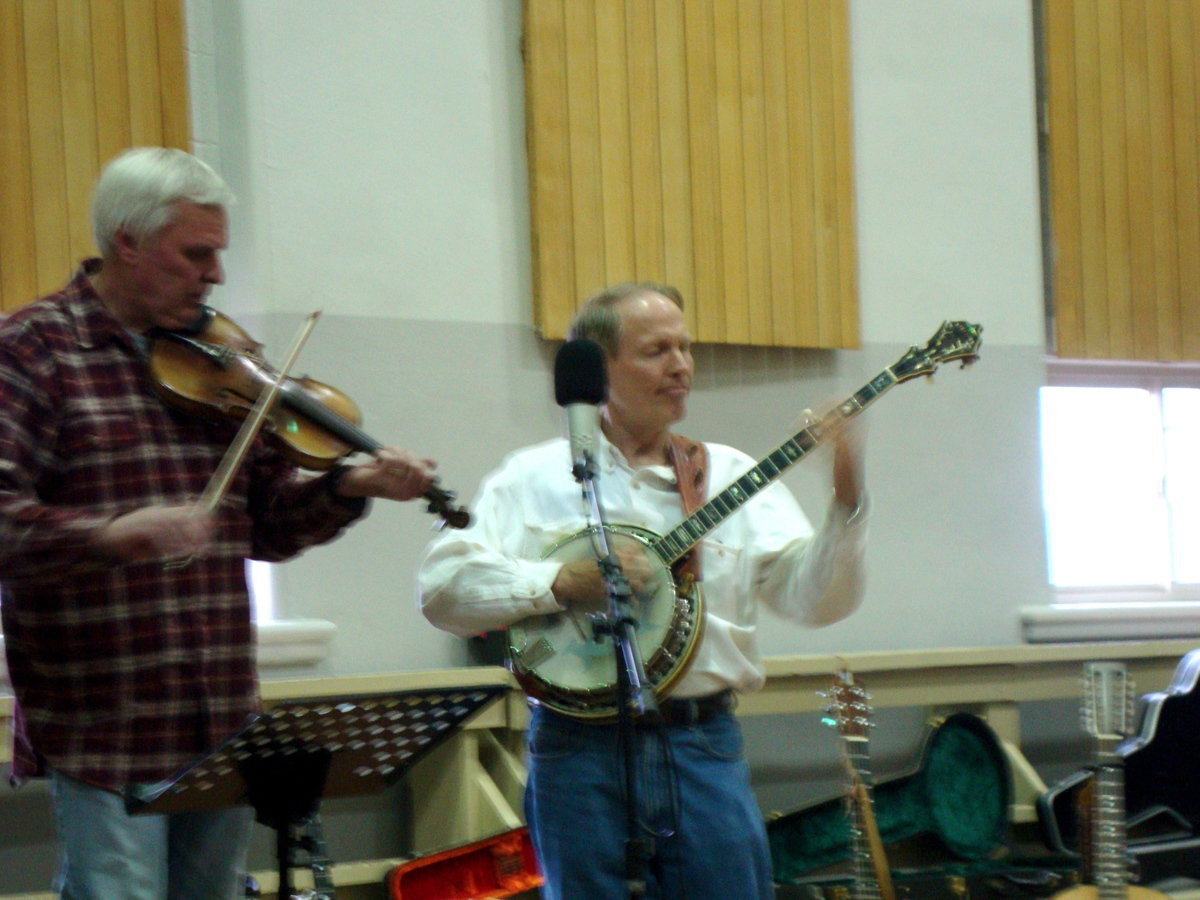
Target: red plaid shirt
(125, 673)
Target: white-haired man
(125, 669)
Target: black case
(1162, 785)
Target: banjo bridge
(534, 654)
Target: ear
(125, 246)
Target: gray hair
(138, 189)
(598, 319)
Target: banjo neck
(673, 545)
(953, 340)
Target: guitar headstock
(954, 340)
(849, 709)
(1108, 702)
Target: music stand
(299, 751)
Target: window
(1121, 481)
(260, 576)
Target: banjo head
(560, 660)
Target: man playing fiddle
(125, 669)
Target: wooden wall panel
(18, 253)
(80, 80)
(1124, 183)
(705, 143)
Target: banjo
(561, 660)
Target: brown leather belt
(694, 710)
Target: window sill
(284, 643)
(1114, 621)
(294, 642)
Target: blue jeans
(694, 801)
(107, 853)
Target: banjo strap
(690, 460)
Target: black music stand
(286, 759)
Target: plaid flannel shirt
(125, 673)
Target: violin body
(215, 369)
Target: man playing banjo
(694, 800)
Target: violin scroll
(441, 505)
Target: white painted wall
(378, 150)
(946, 167)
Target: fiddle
(215, 369)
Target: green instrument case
(944, 827)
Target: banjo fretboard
(954, 340)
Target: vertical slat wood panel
(145, 103)
(554, 269)
(82, 79)
(1136, 83)
(645, 150)
(781, 283)
(705, 172)
(1064, 172)
(1124, 195)
(172, 73)
(843, 139)
(731, 168)
(112, 79)
(678, 214)
(613, 110)
(1189, 300)
(79, 116)
(754, 123)
(691, 130)
(1163, 309)
(18, 249)
(47, 169)
(1091, 168)
(587, 203)
(1182, 22)
(1114, 147)
(825, 228)
(801, 126)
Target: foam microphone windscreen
(579, 373)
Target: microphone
(580, 386)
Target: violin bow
(214, 491)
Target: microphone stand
(635, 698)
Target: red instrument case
(498, 866)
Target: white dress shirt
(491, 574)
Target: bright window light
(260, 576)
(1181, 408)
(1120, 486)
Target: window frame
(1140, 612)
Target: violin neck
(296, 398)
